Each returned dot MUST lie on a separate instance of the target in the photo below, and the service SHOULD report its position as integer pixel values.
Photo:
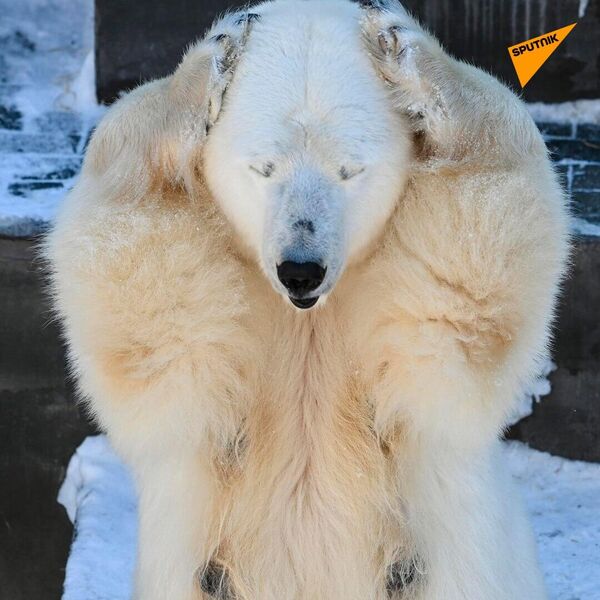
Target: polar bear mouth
(304, 302)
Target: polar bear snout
(300, 279)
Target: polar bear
(302, 280)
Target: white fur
(305, 452)
(302, 102)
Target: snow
(562, 497)
(563, 500)
(47, 69)
(99, 497)
(48, 52)
(576, 111)
(533, 392)
(38, 205)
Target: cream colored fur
(307, 451)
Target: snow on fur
(533, 392)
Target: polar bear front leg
(156, 333)
(476, 250)
(439, 416)
(176, 497)
(472, 538)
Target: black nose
(300, 278)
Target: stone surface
(586, 205)
(567, 422)
(39, 430)
(576, 150)
(31, 354)
(586, 178)
(560, 130)
(576, 153)
(589, 132)
(137, 41)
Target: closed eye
(346, 173)
(265, 170)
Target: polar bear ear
(154, 134)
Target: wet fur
(307, 452)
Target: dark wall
(567, 423)
(40, 428)
(480, 32)
(141, 40)
(137, 41)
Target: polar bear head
(307, 157)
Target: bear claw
(214, 581)
(400, 576)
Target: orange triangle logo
(529, 56)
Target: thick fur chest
(309, 490)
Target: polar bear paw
(394, 40)
(229, 36)
(227, 39)
(404, 54)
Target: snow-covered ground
(563, 500)
(99, 497)
(562, 496)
